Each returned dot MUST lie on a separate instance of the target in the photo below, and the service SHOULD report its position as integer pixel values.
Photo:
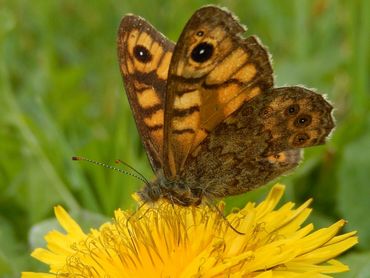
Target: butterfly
(209, 117)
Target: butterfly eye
(202, 52)
(292, 110)
(300, 139)
(303, 121)
(142, 54)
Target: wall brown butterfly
(210, 119)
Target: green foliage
(61, 95)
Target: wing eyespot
(266, 112)
(202, 52)
(303, 121)
(292, 110)
(142, 54)
(300, 139)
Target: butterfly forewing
(212, 73)
(144, 57)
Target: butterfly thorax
(174, 191)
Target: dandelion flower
(165, 240)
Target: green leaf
(13, 253)
(359, 264)
(354, 187)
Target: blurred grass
(61, 95)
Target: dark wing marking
(144, 57)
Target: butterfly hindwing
(212, 73)
(258, 142)
(144, 57)
(295, 117)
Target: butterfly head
(174, 191)
(150, 193)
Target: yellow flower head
(166, 240)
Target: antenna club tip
(77, 158)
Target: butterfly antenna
(139, 177)
(132, 168)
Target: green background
(61, 94)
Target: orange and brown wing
(213, 72)
(144, 58)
